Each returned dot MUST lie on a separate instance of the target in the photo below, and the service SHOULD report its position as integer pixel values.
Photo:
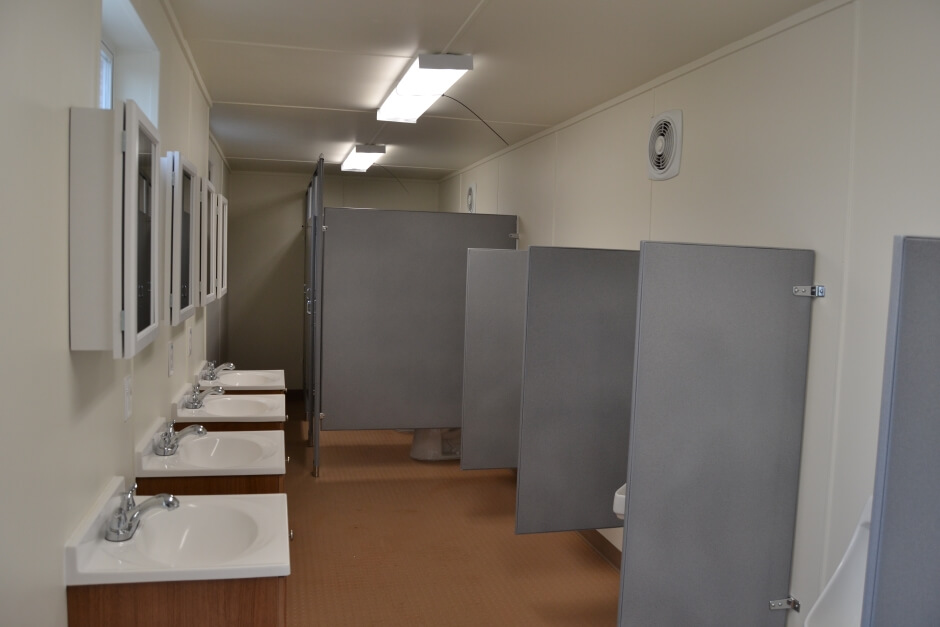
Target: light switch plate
(128, 395)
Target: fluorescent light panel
(429, 76)
(361, 157)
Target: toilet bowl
(433, 445)
(840, 604)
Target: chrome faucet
(194, 400)
(168, 441)
(126, 518)
(211, 371)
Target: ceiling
(293, 79)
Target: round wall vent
(665, 146)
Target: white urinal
(840, 604)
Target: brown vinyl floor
(381, 539)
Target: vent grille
(665, 145)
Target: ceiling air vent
(665, 145)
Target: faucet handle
(128, 502)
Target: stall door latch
(788, 603)
(813, 291)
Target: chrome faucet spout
(167, 442)
(211, 371)
(195, 398)
(126, 518)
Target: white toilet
(840, 604)
(434, 445)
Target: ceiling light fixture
(361, 157)
(428, 77)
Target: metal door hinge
(788, 603)
(324, 228)
(813, 291)
(322, 418)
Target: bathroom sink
(229, 406)
(206, 537)
(217, 453)
(235, 408)
(228, 450)
(235, 380)
(192, 535)
(620, 496)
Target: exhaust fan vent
(665, 145)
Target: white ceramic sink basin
(620, 496)
(189, 536)
(214, 454)
(225, 450)
(229, 406)
(249, 380)
(234, 408)
(206, 537)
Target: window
(105, 73)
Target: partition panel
(394, 290)
(903, 565)
(492, 360)
(576, 384)
(715, 435)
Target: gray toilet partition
(579, 335)
(393, 292)
(492, 366)
(903, 574)
(715, 435)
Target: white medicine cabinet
(182, 209)
(206, 238)
(222, 246)
(113, 230)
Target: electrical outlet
(128, 395)
(190, 342)
(171, 359)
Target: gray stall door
(577, 374)
(394, 290)
(492, 359)
(904, 548)
(715, 437)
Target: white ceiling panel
(247, 73)
(545, 62)
(314, 73)
(391, 27)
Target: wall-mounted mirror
(206, 243)
(181, 185)
(140, 219)
(222, 246)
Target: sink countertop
(270, 460)
(248, 380)
(265, 408)
(90, 559)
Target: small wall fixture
(361, 157)
(428, 77)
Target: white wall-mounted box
(114, 181)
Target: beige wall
(62, 426)
(792, 140)
(266, 253)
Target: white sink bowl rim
(189, 536)
(214, 451)
(248, 378)
(231, 406)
